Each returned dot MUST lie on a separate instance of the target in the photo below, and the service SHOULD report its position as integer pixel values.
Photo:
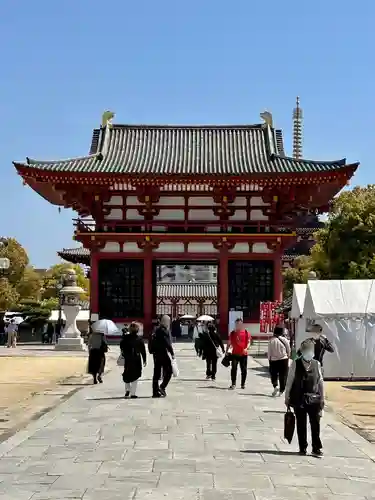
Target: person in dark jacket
(211, 342)
(305, 394)
(160, 346)
(97, 345)
(321, 343)
(134, 353)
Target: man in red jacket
(240, 341)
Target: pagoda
(149, 195)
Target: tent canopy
(339, 298)
(298, 300)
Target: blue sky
(169, 61)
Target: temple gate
(222, 194)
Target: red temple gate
(224, 194)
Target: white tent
(346, 311)
(298, 301)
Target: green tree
(29, 287)
(345, 248)
(8, 295)
(298, 273)
(18, 258)
(53, 278)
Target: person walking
(160, 346)
(11, 330)
(239, 341)
(97, 345)
(134, 353)
(321, 343)
(50, 330)
(278, 357)
(305, 394)
(211, 345)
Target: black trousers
(314, 416)
(161, 365)
(242, 361)
(279, 373)
(211, 366)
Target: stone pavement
(201, 443)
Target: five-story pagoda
(225, 195)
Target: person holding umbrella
(98, 346)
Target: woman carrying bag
(305, 394)
(278, 357)
(213, 348)
(134, 353)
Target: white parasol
(106, 326)
(187, 316)
(205, 317)
(17, 320)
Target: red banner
(269, 317)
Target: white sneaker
(275, 392)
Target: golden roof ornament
(107, 118)
(267, 117)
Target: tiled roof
(187, 290)
(186, 150)
(78, 255)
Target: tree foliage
(54, 277)
(29, 287)
(8, 295)
(20, 281)
(345, 248)
(298, 273)
(18, 258)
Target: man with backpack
(240, 342)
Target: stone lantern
(70, 339)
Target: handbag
(120, 360)
(218, 351)
(289, 425)
(226, 361)
(311, 399)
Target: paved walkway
(201, 443)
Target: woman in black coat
(211, 344)
(134, 354)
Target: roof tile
(187, 150)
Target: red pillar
(223, 293)
(94, 283)
(147, 294)
(277, 277)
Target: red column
(223, 293)
(94, 283)
(147, 293)
(277, 277)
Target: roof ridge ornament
(267, 117)
(107, 118)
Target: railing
(246, 227)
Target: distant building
(186, 273)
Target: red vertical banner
(269, 317)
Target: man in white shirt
(12, 330)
